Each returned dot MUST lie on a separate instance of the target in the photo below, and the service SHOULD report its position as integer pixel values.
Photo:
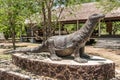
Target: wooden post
(109, 27)
(32, 34)
(21, 40)
(59, 28)
(99, 33)
(77, 25)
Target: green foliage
(70, 27)
(103, 28)
(116, 27)
(15, 12)
(86, 1)
(66, 2)
(108, 5)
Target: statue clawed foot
(84, 55)
(54, 57)
(80, 60)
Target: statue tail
(38, 49)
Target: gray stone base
(96, 69)
(9, 75)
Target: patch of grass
(5, 56)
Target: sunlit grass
(5, 56)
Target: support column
(109, 27)
(32, 34)
(99, 32)
(59, 28)
(77, 25)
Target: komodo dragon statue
(66, 45)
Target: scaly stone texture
(66, 72)
(9, 75)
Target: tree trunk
(44, 22)
(13, 36)
(49, 22)
(12, 24)
(12, 29)
(13, 39)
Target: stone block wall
(66, 72)
(9, 75)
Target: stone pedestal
(96, 69)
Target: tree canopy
(108, 5)
(13, 15)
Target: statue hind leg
(53, 55)
(83, 54)
(77, 56)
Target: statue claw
(86, 56)
(55, 58)
(80, 60)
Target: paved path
(113, 43)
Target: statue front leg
(53, 55)
(77, 56)
(83, 54)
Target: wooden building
(79, 14)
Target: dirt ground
(112, 54)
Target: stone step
(12, 75)
(113, 43)
(9, 71)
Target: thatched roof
(82, 12)
(78, 12)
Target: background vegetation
(13, 14)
